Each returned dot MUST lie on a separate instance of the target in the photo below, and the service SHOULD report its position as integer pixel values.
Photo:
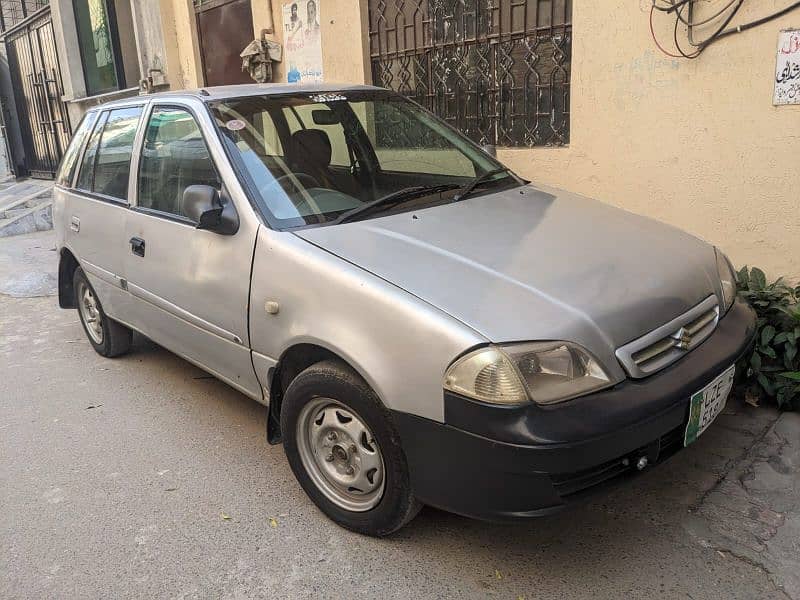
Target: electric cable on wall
(681, 11)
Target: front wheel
(345, 452)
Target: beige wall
(694, 143)
(184, 68)
(344, 31)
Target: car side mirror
(210, 209)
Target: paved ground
(143, 477)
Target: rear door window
(66, 171)
(113, 166)
(106, 166)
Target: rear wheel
(345, 452)
(107, 337)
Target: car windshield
(321, 158)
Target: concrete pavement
(144, 477)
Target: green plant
(773, 368)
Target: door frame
(249, 221)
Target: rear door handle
(75, 224)
(137, 246)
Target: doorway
(36, 79)
(225, 28)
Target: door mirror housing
(210, 209)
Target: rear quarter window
(66, 170)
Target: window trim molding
(153, 212)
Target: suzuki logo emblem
(682, 339)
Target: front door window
(174, 157)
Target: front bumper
(494, 462)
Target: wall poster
(787, 71)
(302, 41)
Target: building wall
(127, 41)
(184, 69)
(344, 31)
(149, 35)
(12, 142)
(5, 165)
(697, 144)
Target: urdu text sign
(787, 70)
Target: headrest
(311, 145)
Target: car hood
(534, 263)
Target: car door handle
(75, 224)
(137, 246)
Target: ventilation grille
(668, 343)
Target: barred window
(14, 11)
(498, 70)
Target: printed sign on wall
(302, 41)
(787, 72)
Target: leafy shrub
(773, 369)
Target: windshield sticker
(235, 125)
(327, 97)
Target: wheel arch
(293, 361)
(67, 264)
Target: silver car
(424, 326)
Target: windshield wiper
(470, 187)
(394, 198)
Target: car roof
(223, 92)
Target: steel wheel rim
(90, 313)
(340, 455)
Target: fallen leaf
(273, 523)
(498, 574)
(224, 517)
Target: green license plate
(707, 404)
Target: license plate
(706, 405)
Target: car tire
(108, 337)
(336, 432)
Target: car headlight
(545, 372)
(727, 279)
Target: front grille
(567, 484)
(668, 343)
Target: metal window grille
(498, 70)
(15, 11)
